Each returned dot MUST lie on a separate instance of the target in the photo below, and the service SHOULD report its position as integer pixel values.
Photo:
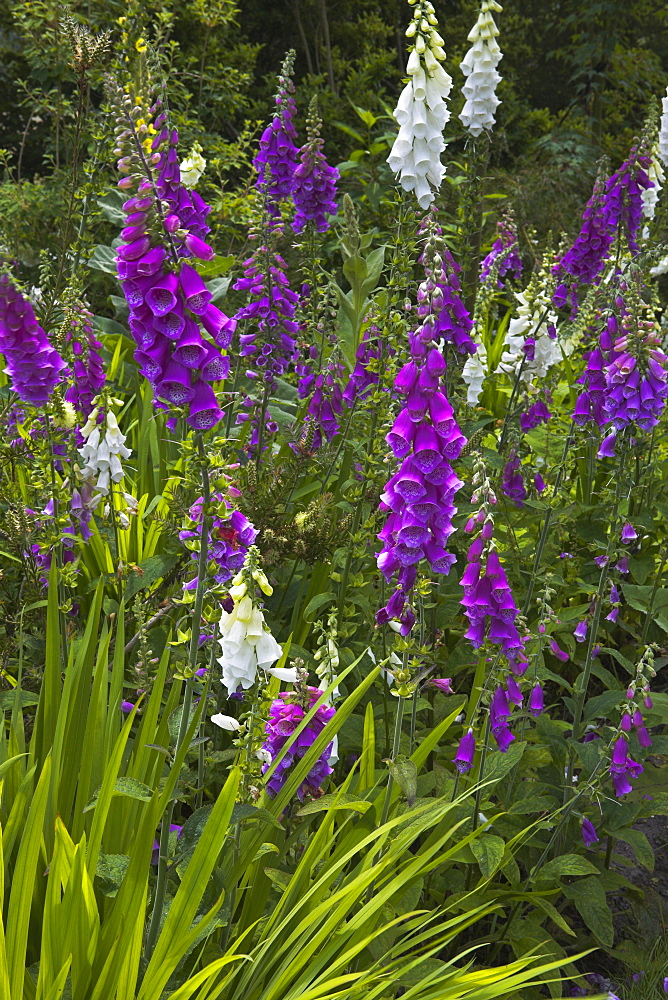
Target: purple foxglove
(629, 533)
(276, 159)
(313, 181)
(285, 715)
(536, 701)
(580, 631)
(464, 758)
(589, 835)
(33, 366)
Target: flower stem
(161, 885)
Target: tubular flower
(102, 451)
(479, 67)
(33, 365)
(88, 371)
(663, 131)
(488, 602)
(504, 249)
(277, 158)
(285, 715)
(624, 196)
(532, 346)
(246, 645)
(178, 330)
(425, 439)
(452, 321)
(314, 181)
(230, 536)
(421, 112)
(326, 402)
(582, 264)
(368, 364)
(636, 387)
(622, 767)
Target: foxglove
(33, 365)
(421, 112)
(313, 181)
(277, 157)
(479, 67)
(285, 715)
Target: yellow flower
(141, 45)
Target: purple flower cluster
(622, 767)
(489, 605)
(368, 360)
(633, 394)
(33, 365)
(505, 247)
(623, 196)
(425, 439)
(536, 414)
(169, 302)
(582, 264)
(269, 340)
(87, 369)
(512, 481)
(230, 537)
(314, 181)
(449, 316)
(285, 715)
(326, 402)
(277, 158)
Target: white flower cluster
(663, 131)
(474, 373)
(650, 195)
(192, 167)
(102, 454)
(421, 112)
(547, 351)
(479, 67)
(245, 642)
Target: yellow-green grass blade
(174, 937)
(23, 883)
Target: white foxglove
(102, 453)
(535, 319)
(421, 111)
(246, 645)
(192, 167)
(479, 67)
(663, 131)
(474, 374)
(650, 195)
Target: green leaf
(314, 605)
(553, 913)
(640, 846)
(24, 698)
(218, 288)
(602, 705)
(331, 802)
(215, 267)
(589, 898)
(128, 788)
(404, 772)
(488, 850)
(500, 764)
(103, 258)
(149, 572)
(566, 864)
(110, 871)
(280, 880)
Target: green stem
(161, 885)
(396, 745)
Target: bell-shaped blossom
(583, 262)
(276, 159)
(589, 835)
(623, 768)
(230, 536)
(33, 365)
(663, 131)
(474, 374)
(465, 752)
(313, 181)
(488, 602)
(285, 715)
(452, 321)
(504, 252)
(421, 112)
(368, 365)
(103, 449)
(88, 375)
(178, 331)
(650, 195)
(425, 439)
(479, 67)
(192, 168)
(624, 197)
(326, 400)
(246, 645)
(532, 345)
